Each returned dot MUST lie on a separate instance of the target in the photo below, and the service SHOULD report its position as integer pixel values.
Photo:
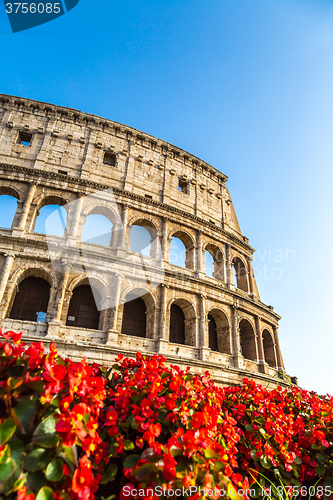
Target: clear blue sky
(246, 85)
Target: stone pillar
(75, 216)
(204, 350)
(165, 239)
(55, 323)
(19, 230)
(163, 337)
(250, 278)
(200, 260)
(279, 359)
(112, 333)
(260, 346)
(122, 248)
(236, 345)
(5, 273)
(229, 278)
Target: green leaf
(321, 458)
(110, 474)
(7, 429)
(6, 470)
(265, 462)
(320, 470)
(131, 461)
(35, 480)
(5, 454)
(54, 470)
(24, 412)
(144, 472)
(249, 428)
(209, 453)
(16, 452)
(45, 493)
(45, 434)
(37, 459)
(128, 444)
(329, 483)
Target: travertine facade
(51, 155)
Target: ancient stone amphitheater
(170, 274)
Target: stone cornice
(69, 114)
(33, 172)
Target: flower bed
(147, 430)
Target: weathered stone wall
(64, 164)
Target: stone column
(260, 346)
(165, 239)
(279, 359)
(112, 333)
(19, 230)
(5, 273)
(75, 216)
(204, 350)
(229, 278)
(122, 240)
(200, 260)
(55, 323)
(236, 345)
(249, 274)
(163, 337)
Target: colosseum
(115, 241)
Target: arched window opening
(8, 207)
(177, 325)
(269, 350)
(219, 328)
(97, 229)
(212, 330)
(134, 316)
(247, 340)
(209, 264)
(51, 220)
(240, 274)
(140, 240)
(31, 300)
(177, 252)
(84, 308)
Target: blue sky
(245, 85)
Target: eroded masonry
(168, 272)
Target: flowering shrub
(143, 430)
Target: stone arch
(182, 327)
(269, 348)
(105, 211)
(141, 301)
(223, 331)
(10, 191)
(188, 242)
(25, 300)
(85, 303)
(44, 201)
(240, 269)
(218, 259)
(152, 240)
(247, 340)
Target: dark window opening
(177, 325)
(134, 317)
(110, 159)
(31, 300)
(212, 330)
(62, 172)
(82, 311)
(183, 186)
(24, 138)
(149, 196)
